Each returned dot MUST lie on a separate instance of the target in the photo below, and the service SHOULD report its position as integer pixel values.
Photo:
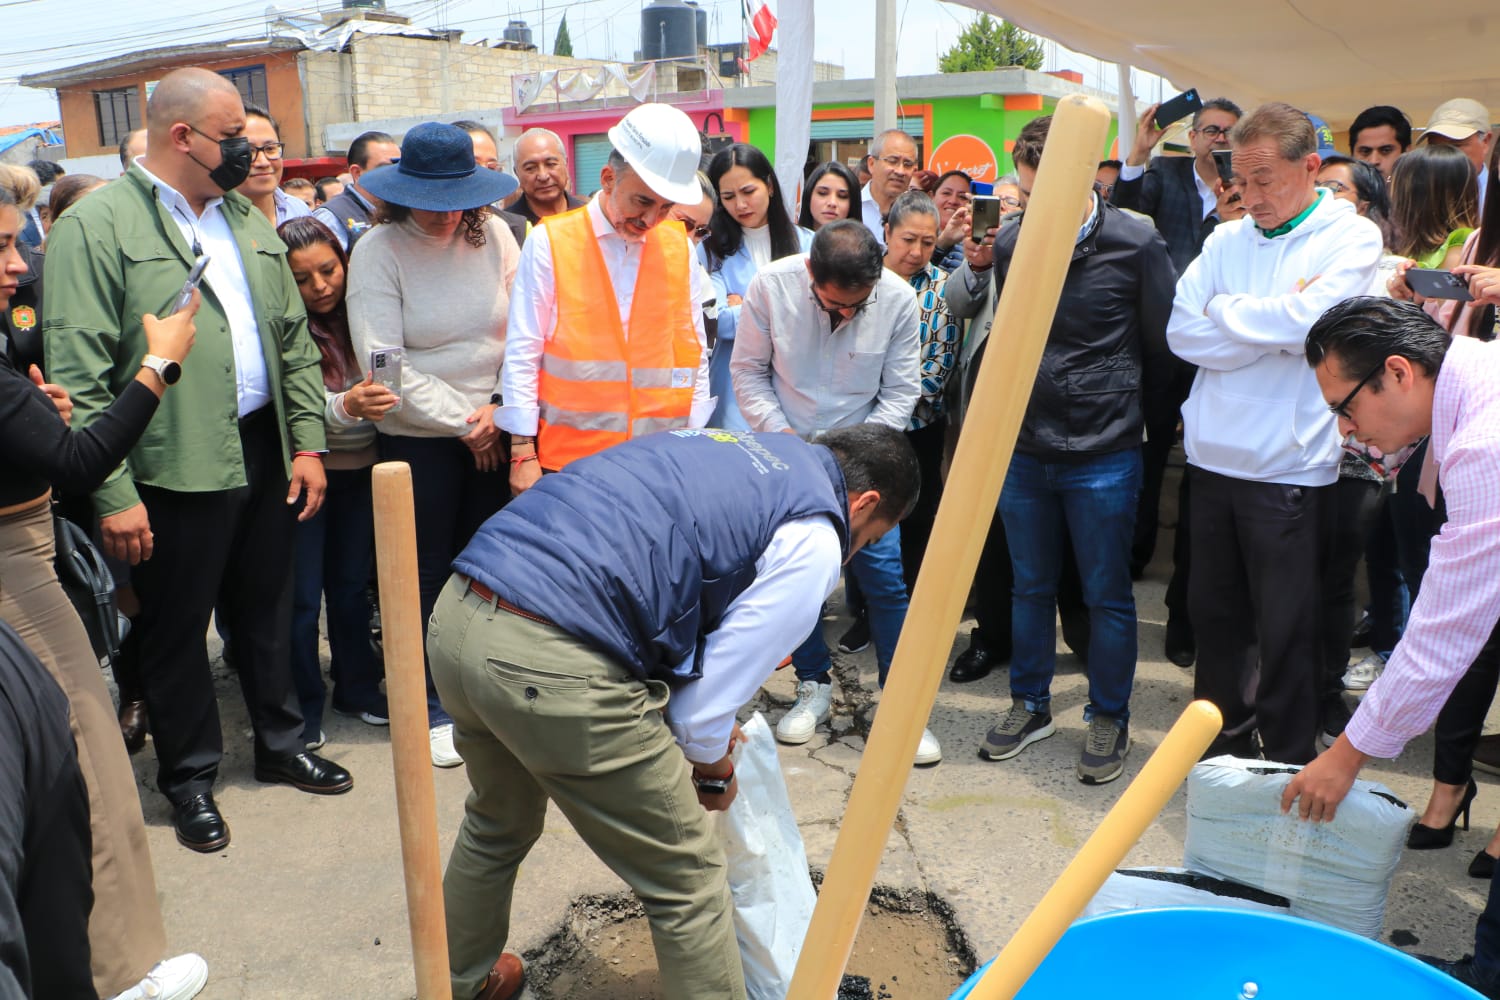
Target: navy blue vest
(639, 550)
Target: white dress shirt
(210, 234)
(793, 371)
(289, 207)
(533, 320)
(759, 628)
(871, 215)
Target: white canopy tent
(1329, 57)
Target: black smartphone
(1438, 285)
(984, 215)
(194, 279)
(1224, 165)
(1186, 103)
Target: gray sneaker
(1017, 731)
(1104, 751)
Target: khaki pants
(538, 715)
(125, 927)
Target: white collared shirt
(533, 319)
(871, 214)
(792, 370)
(210, 234)
(289, 207)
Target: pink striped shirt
(1460, 599)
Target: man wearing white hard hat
(586, 369)
(1464, 123)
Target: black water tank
(701, 18)
(669, 30)
(518, 32)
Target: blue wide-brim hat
(437, 173)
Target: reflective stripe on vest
(596, 385)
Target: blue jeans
(1093, 502)
(335, 548)
(877, 570)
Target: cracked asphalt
(308, 900)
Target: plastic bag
(1150, 888)
(1335, 873)
(767, 864)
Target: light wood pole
(1167, 768)
(1023, 319)
(406, 687)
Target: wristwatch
(167, 370)
(712, 786)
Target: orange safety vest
(598, 386)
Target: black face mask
(235, 158)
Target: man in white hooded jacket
(1262, 446)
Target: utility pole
(885, 65)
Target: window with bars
(250, 81)
(119, 113)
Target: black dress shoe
(133, 725)
(1465, 972)
(1483, 866)
(977, 661)
(199, 825)
(1181, 646)
(305, 771)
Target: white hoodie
(1242, 312)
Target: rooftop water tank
(518, 32)
(669, 30)
(701, 19)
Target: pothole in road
(909, 947)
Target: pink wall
(571, 124)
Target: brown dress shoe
(133, 725)
(505, 979)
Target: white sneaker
(928, 750)
(813, 706)
(174, 979)
(443, 752)
(1360, 676)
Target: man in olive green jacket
(204, 508)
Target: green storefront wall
(984, 116)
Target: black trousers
(916, 529)
(1162, 413)
(45, 847)
(1350, 512)
(1256, 606)
(451, 499)
(233, 548)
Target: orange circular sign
(968, 153)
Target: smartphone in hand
(984, 215)
(1186, 103)
(1224, 165)
(185, 295)
(385, 369)
(1438, 284)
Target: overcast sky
(49, 34)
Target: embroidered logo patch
(23, 317)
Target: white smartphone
(194, 279)
(385, 369)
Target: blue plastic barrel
(1201, 953)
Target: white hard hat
(661, 144)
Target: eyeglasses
(1213, 131)
(1009, 201)
(1337, 187)
(1104, 190)
(696, 231)
(1341, 409)
(900, 162)
(853, 308)
(271, 150)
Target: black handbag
(86, 579)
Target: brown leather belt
(488, 596)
